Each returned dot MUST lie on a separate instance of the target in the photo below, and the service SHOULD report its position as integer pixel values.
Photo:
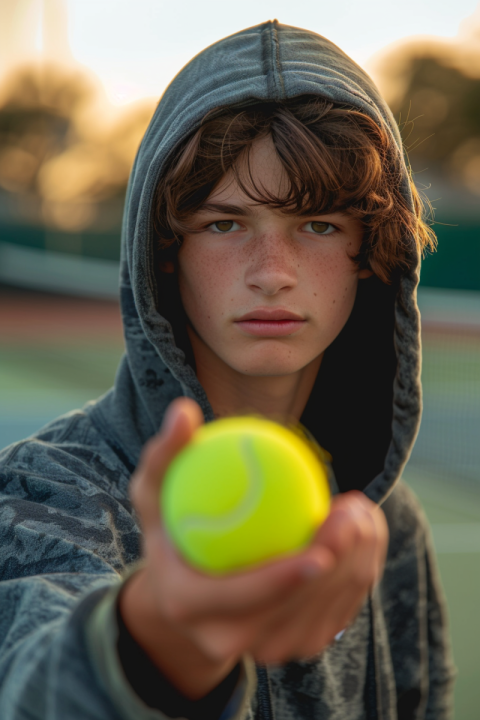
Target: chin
(269, 367)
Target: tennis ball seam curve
(248, 505)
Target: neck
(280, 397)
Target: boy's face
(256, 261)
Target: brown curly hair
(336, 159)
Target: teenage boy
(270, 260)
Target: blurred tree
(439, 114)
(433, 88)
(35, 117)
(62, 152)
(437, 105)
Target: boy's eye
(226, 226)
(321, 228)
(223, 226)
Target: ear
(166, 266)
(365, 273)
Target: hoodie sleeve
(415, 613)
(67, 533)
(441, 669)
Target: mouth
(270, 322)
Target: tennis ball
(244, 490)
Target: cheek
(333, 273)
(333, 284)
(205, 284)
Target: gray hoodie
(68, 533)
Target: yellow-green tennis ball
(243, 491)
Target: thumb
(182, 418)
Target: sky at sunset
(135, 48)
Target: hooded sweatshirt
(68, 532)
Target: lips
(266, 322)
(270, 315)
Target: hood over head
(366, 403)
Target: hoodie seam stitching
(275, 60)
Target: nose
(272, 265)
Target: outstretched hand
(195, 627)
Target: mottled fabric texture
(68, 532)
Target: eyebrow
(221, 208)
(227, 209)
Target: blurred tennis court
(56, 353)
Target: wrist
(175, 654)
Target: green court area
(39, 381)
(444, 472)
(453, 510)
